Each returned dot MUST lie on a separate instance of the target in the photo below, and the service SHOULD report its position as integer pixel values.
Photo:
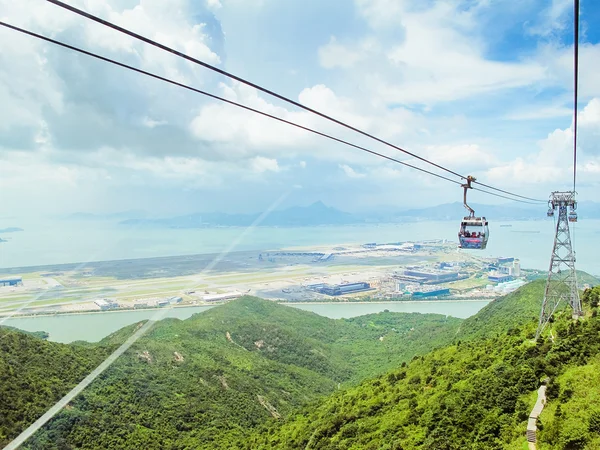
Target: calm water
(70, 241)
(93, 327)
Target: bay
(93, 327)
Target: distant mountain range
(316, 214)
(122, 215)
(10, 230)
(452, 211)
(320, 214)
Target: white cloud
(465, 156)
(590, 115)
(151, 123)
(350, 172)
(552, 166)
(539, 112)
(241, 133)
(557, 61)
(214, 4)
(438, 55)
(552, 19)
(261, 164)
(334, 54)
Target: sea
(92, 327)
(65, 241)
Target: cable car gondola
(474, 231)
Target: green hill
(511, 311)
(255, 374)
(475, 394)
(34, 374)
(206, 382)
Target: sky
(482, 87)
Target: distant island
(316, 214)
(123, 215)
(11, 230)
(320, 214)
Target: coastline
(388, 302)
(205, 305)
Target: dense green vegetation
(572, 418)
(34, 374)
(208, 381)
(38, 334)
(254, 374)
(512, 311)
(474, 394)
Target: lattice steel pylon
(562, 278)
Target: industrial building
(106, 304)
(340, 289)
(432, 277)
(499, 277)
(516, 268)
(506, 287)
(432, 293)
(505, 259)
(221, 297)
(12, 281)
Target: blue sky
(481, 86)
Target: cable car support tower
(562, 278)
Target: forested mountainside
(512, 311)
(34, 374)
(254, 374)
(474, 394)
(209, 380)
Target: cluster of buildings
(221, 297)
(504, 269)
(106, 304)
(340, 289)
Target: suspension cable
(216, 97)
(247, 108)
(575, 82)
(502, 196)
(261, 88)
(510, 193)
